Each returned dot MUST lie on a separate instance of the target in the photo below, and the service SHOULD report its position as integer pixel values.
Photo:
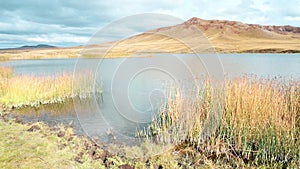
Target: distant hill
(224, 36)
(40, 46)
(232, 36)
(221, 36)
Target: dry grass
(6, 72)
(40, 53)
(29, 89)
(260, 121)
(22, 90)
(141, 44)
(259, 124)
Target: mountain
(199, 35)
(232, 36)
(39, 46)
(194, 35)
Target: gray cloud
(68, 22)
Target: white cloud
(73, 22)
(291, 18)
(58, 38)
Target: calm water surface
(266, 65)
(144, 90)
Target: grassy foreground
(259, 127)
(40, 146)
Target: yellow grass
(260, 123)
(22, 90)
(6, 72)
(40, 53)
(259, 126)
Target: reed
(259, 123)
(31, 90)
(6, 72)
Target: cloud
(67, 22)
(58, 38)
(291, 18)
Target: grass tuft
(259, 124)
(30, 90)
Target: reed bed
(259, 123)
(248, 122)
(6, 72)
(30, 90)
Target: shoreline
(73, 151)
(238, 142)
(256, 111)
(7, 55)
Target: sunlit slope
(231, 36)
(203, 36)
(195, 35)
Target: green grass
(40, 148)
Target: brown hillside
(194, 35)
(232, 36)
(198, 35)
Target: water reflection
(108, 115)
(96, 125)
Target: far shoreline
(74, 52)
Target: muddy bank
(78, 151)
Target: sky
(73, 22)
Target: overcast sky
(73, 22)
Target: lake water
(135, 88)
(265, 65)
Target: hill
(194, 35)
(39, 46)
(222, 35)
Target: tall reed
(33, 90)
(259, 123)
(6, 72)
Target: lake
(135, 88)
(265, 65)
